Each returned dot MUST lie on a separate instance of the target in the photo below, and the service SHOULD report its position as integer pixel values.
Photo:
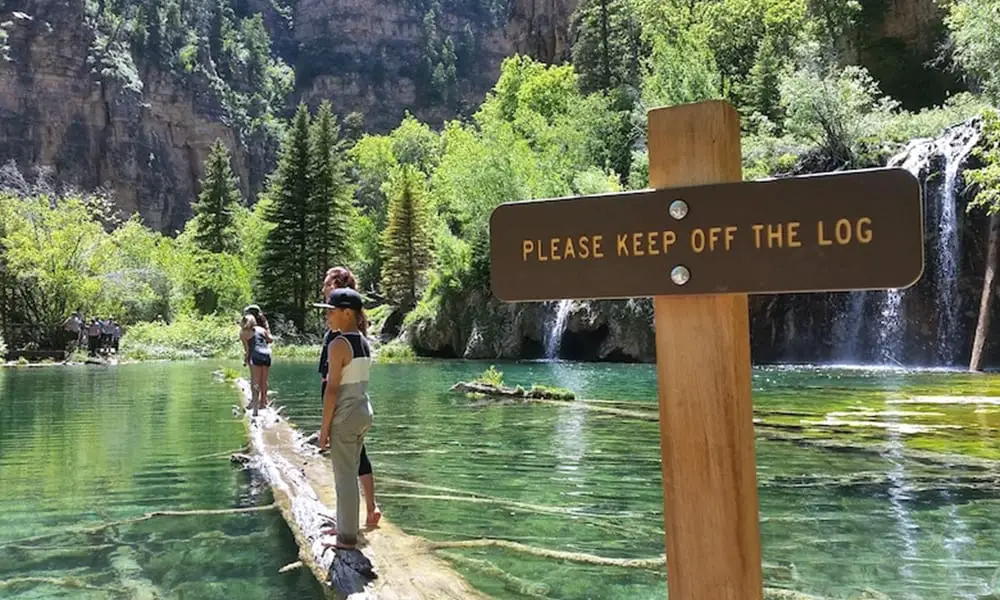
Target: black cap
(342, 298)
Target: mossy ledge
(536, 392)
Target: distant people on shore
(73, 329)
(256, 341)
(102, 336)
(336, 278)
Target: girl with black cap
(341, 277)
(347, 411)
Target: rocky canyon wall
(145, 136)
(143, 139)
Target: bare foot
(329, 526)
(374, 516)
(337, 545)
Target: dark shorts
(260, 360)
(365, 467)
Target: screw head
(680, 275)
(678, 209)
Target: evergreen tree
(330, 197)
(406, 243)
(215, 210)
(607, 45)
(286, 264)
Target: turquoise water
(85, 446)
(904, 502)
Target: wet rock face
(145, 140)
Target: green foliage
(406, 245)
(215, 211)
(286, 265)
(330, 207)
(832, 20)
(987, 178)
(839, 110)
(681, 66)
(52, 250)
(3, 347)
(550, 393)
(395, 352)
(135, 278)
(491, 376)
(608, 46)
(975, 29)
(186, 338)
(62, 253)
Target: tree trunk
(986, 303)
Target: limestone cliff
(145, 139)
(380, 57)
(143, 132)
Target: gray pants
(347, 437)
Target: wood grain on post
(703, 372)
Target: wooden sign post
(698, 244)
(703, 372)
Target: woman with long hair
(257, 355)
(347, 411)
(337, 278)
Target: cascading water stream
(554, 337)
(923, 158)
(948, 250)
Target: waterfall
(847, 329)
(948, 251)
(890, 328)
(554, 337)
(925, 158)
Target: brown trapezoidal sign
(855, 230)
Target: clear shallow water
(887, 510)
(84, 446)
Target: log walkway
(302, 484)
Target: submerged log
(537, 392)
(301, 481)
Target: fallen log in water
(301, 481)
(537, 392)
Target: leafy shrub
(187, 337)
(839, 110)
(395, 351)
(491, 376)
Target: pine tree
(607, 46)
(215, 210)
(406, 243)
(286, 265)
(330, 198)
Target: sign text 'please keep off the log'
(846, 231)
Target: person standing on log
(347, 411)
(256, 355)
(342, 277)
